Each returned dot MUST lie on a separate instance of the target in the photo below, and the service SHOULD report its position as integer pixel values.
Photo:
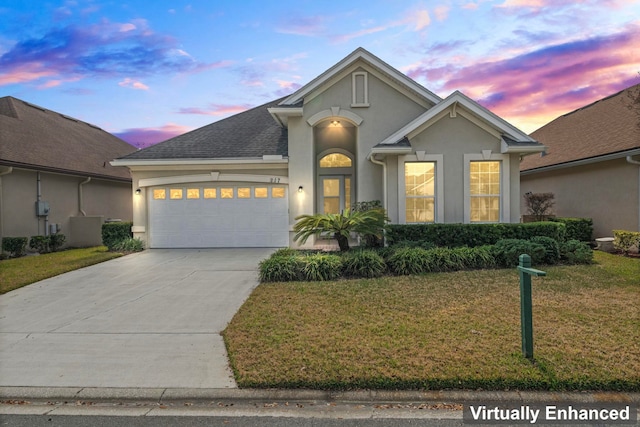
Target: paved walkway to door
(151, 319)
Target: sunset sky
(149, 70)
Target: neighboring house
(361, 131)
(592, 164)
(64, 164)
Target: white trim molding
(505, 184)
(420, 156)
(334, 112)
(212, 177)
(355, 96)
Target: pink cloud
(537, 86)
(24, 73)
(144, 137)
(215, 110)
(133, 84)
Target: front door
(335, 193)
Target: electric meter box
(42, 208)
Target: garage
(218, 216)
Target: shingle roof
(250, 134)
(604, 127)
(34, 137)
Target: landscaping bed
(455, 330)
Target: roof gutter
(80, 196)
(372, 159)
(630, 160)
(7, 172)
(582, 162)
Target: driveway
(150, 319)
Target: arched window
(335, 160)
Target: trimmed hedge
(472, 235)
(14, 245)
(577, 228)
(114, 233)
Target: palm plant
(340, 226)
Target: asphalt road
(190, 421)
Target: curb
(172, 395)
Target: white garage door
(218, 216)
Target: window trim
(505, 188)
(438, 159)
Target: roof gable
(37, 138)
(514, 140)
(360, 58)
(602, 128)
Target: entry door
(335, 193)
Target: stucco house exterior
(55, 175)
(592, 164)
(360, 131)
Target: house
(592, 164)
(360, 131)
(55, 175)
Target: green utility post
(526, 311)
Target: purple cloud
(545, 83)
(145, 137)
(104, 50)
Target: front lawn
(446, 330)
(18, 272)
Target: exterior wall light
(138, 191)
(300, 189)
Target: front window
(419, 179)
(484, 189)
(335, 160)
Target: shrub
(285, 252)
(14, 245)
(281, 268)
(472, 235)
(129, 245)
(576, 252)
(406, 261)
(39, 244)
(625, 240)
(318, 267)
(551, 248)
(424, 244)
(539, 204)
(115, 232)
(577, 228)
(369, 240)
(480, 257)
(507, 252)
(363, 263)
(56, 241)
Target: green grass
(450, 330)
(18, 272)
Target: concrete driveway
(151, 319)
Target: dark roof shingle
(604, 127)
(36, 138)
(250, 134)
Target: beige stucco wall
(389, 110)
(19, 195)
(453, 137)
(607, 192)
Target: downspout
(636, 162)
(384, 178)
(7, 172)
(80, 197)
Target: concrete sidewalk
(151, 319)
